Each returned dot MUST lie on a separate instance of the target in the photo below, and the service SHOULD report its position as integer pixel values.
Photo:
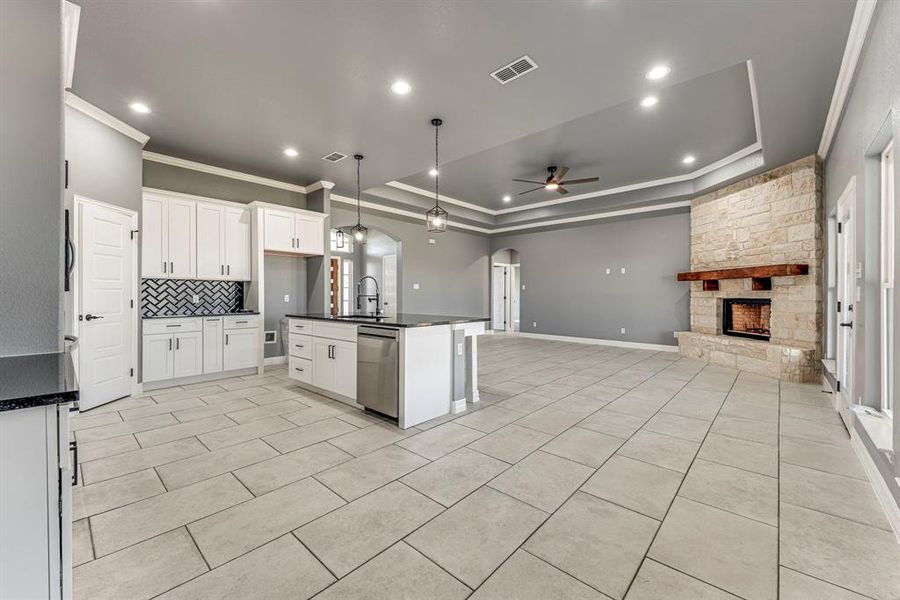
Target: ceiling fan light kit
(555, 181)
(436, 218)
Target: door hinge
(839, 306)
(838, 385)
(67, 174)
(131, 372)
(132, 303)
(840, 228)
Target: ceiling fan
(554, 182)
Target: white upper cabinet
(294, 232)
(210, 241)
(182, 236)
(237, 244)
(154, 249)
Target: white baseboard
(274, 360)
(598, 341)
(885, 498)
(458, 406)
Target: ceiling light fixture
(649, 101)
(657, 72)
(551, 186)
(292, 152)
(139, 107)
(433, 172)
(401, 88)
(689, 159)
(507, 198)
(436, 218)
(359, 232)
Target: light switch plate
(622, 330)
(431, 241)
(534, 324)
(287, 297)
(459, 349)
(623, 270)
(196, 299)
(415, 286)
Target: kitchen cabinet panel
(213, 340)
(187, 356)
(182, 238)
(279, 231)
(310, 235)
(236, 247)
(211, 239)
(241, 348)
(157, 357)
(154, 245)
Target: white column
(472, 368)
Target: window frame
(887, 246)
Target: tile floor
(584, 472)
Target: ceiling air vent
(334, 157)
(514, 70)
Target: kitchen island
(411, 367)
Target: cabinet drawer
(334, 331)
(300, 369)
(300, 326)
(175, 325)
(241, 321)
(300, 346)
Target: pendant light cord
(437, 172)
(358, 217)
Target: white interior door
(105, 280)
(498, 297)
(515, 285)
(389, 274)
(846, 297)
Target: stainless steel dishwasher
(378, 369)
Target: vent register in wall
(174, 297)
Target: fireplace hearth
(746, 317)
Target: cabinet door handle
(73, 447)
(164, 266)
(221, 269)
(298, 369)
(298, 345)
(170, 344)
(229, 270)
(171, 267)
(241, 322)
(173, 325)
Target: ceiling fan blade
(560, 173)
(562, 190)
(531, 190)
(529, 181)
(583, 180)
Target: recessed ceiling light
(401, 88)
(658, 72)
(689, 159)
(507, 198)
(292, 152)
(649, 101)
(433, 172)
(139, 107)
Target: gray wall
(872, 108)
(284, 275)
(31, 162)
(452, 274)
(567, 291)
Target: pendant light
(436, 218)
(339, 239)
(358, 232)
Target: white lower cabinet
(332, 359)
(187, 358)
(157, 354)
(241, 348)
(213, 342)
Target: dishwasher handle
(381, 332)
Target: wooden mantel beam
(761, 272)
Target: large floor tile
(398, 573)
(104, 432)
(142, 571)
(761, 432)
(451, 478)
(81, 421)
(731, 552)
(82, 548)
(136, 522)
(613, 423)
(823, 457)
(307, 435)
(583, 446)
(158, 409)
(441, 440)
(662, 450)
(686, 428)
(243, 433)
(274, 409)
(211, 410)
(489, 419)
(386, 516)
(642, 487)
(476, 535)
(280, 570)
(360, 476)
(191, 470)
(525, 577)
(162, 435)
(797, 586)
(743, 454)
(315, 413)
(656, 581)
(108, 447)
(825, 433)
(742, 492)
(551, 419)
(230, 533)
(846, 553)
(287, 468)
(511, 443)
(100, 497)
(525, 403)
(368, 439)
(833, 494)
(595, 541)
(138, 460)
(542, 480)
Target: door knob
(90, 317)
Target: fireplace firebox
(746, 317)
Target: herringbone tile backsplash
(174, 297)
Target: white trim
(595, 216)
(744, 152)
(458, 407)
(86, 108)
(859, 27)
(754, 99)
(71, 17)
(596, 341)
(203, 168)
(182, 195)
(270, 361)
(885, 498)
(318, 185)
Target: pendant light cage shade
(436, 219)
(339, 239)
(359, 233)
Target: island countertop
(36, 380)
(398, 320)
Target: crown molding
(448, 199)
(594, 217)
(210, 169)
(319, 185)
(71, 18)
(88, 109)
(856, 39)
(404, 213)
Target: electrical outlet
(459, 349)
(622, 330)
(623, 270)
(675, 334)
(523, 287)
(287, 297)
(196, 298)
(431, 241)
(534, 324)
(415, 286)
(608, 271)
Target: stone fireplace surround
(771, 218)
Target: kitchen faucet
(369, 298)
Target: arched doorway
(506, 283)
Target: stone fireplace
(766, 325)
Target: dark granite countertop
(228, 314)
(399, 320)
(37, 380)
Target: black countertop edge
(37, 380)
(229, 314)
(400, 320)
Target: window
(347, 286)
(888, 202)
(348, 243)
